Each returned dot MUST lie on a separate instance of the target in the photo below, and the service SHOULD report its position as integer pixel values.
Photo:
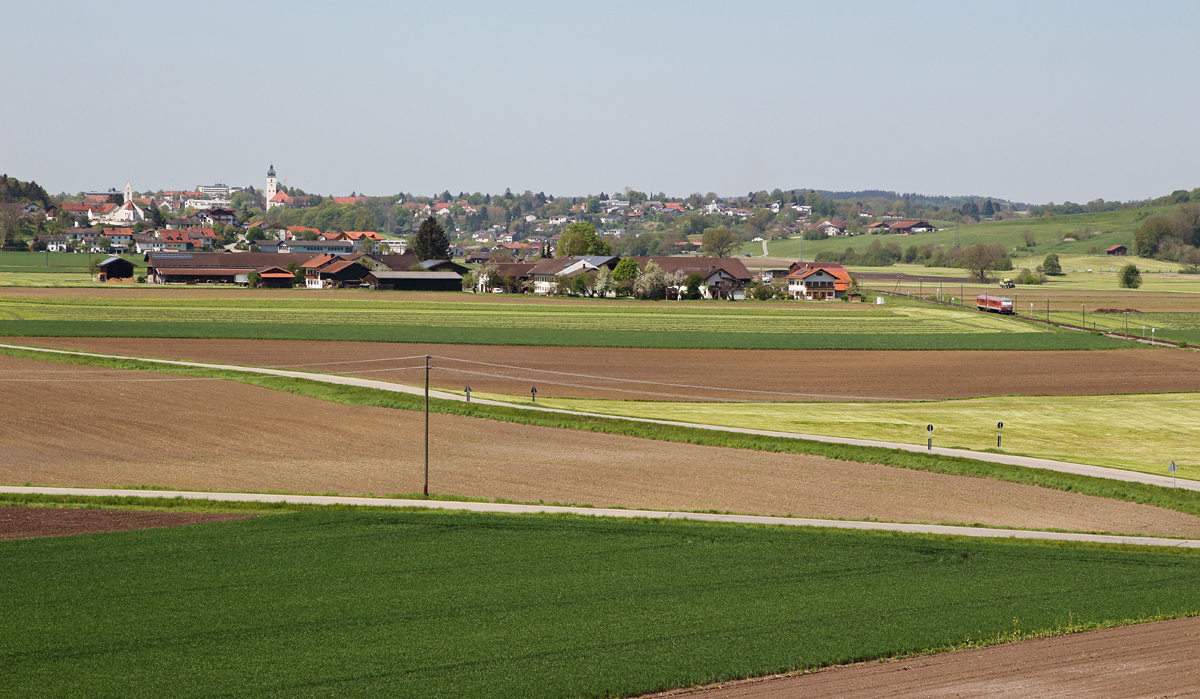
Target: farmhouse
(548, 273)
(724, 278)
(818, 281)
(829, 227)
(910, 227)
(1118, 251)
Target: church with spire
(275, 196)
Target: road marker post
(467, 390)
(1172, 468)
(999, 427)
(929, 429)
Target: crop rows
(898, 321)
(445, 604)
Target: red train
(995, 304)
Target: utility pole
(426, 491)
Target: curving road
(1026, 461)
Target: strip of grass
(1140, 432)
(1180, 500)
(466, 605)
(551, 337)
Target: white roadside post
(929, 429)
(1172, 468)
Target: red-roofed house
(818, 281)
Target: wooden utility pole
(426, 491)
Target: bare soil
(1160, 659)
(17, 522)
(679, 374)
(87, 427)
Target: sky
(1034, 102)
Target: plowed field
(83, 426)
(35, 522)
(674, 374)
(1161, 659)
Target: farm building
(1118, 251)
(115, 268)
(335, 274)
(724, 278)
(213, 267)
(275, 278)
(413, 281)
(910, 227)
(818, 281)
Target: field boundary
(513, 508)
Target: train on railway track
(994, 304)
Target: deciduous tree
(1051, 266)
(719, 242)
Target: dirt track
(33, 522)
(800, 375)
(1149, 660)
(83, 426)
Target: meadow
(1050, 234)
(426, 604)
(52, 269)
(779, 325)
(1142, 432)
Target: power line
(350, 361)
(577, 385)
(676, 385)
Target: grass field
(709, 325)
(1113, 228)
(462, 605)
(1136, 432)
(54, 269)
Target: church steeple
(128, 192)
(272, 186)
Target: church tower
(128, 192)
(271, 185)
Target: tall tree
(719, 242)
(430, 242)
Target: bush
(140, 279)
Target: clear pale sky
(1031, 101)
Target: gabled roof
(704, 266)
(908, 224)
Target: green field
(712, 325)
(464, 605)
(1114, 228)
(53, 269)
(1141, 432)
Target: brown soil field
(86, 427)
(709, 375)
(1160, 659)
(18, 522)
